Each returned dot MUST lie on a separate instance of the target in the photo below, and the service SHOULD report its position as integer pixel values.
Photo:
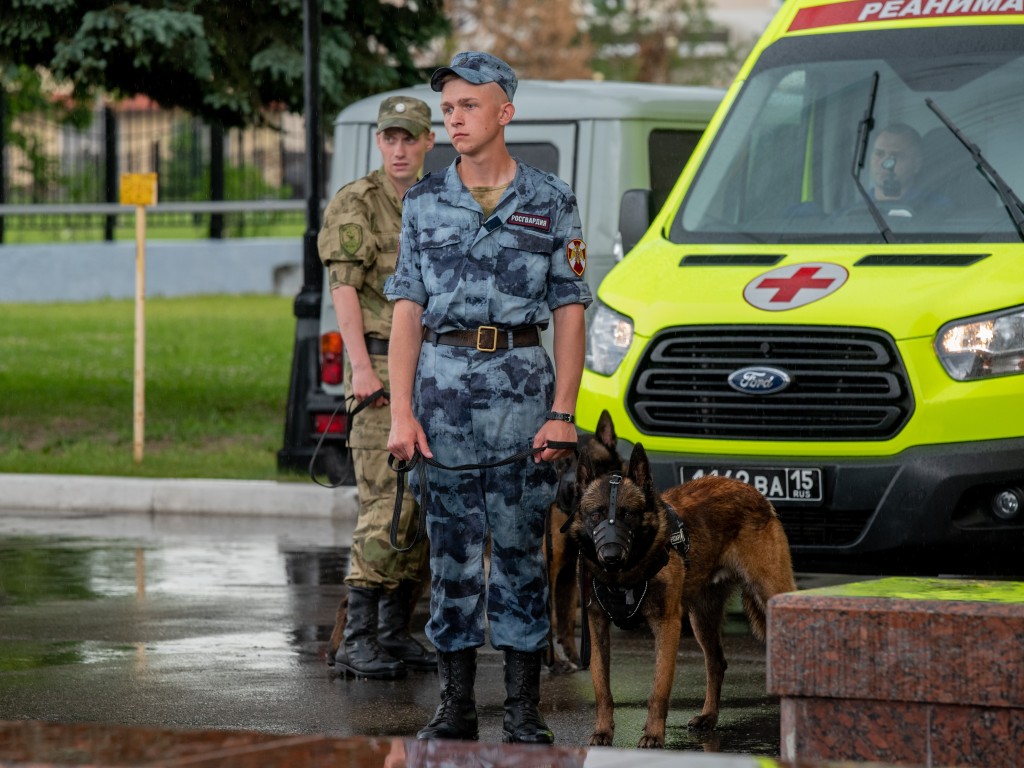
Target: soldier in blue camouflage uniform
(358, 245)
(490, 253)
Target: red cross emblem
(794, 286)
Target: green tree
(24, 94)
(546, 41)
(660, 41)
(223, 61)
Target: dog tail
(772, 576)
(754, 607)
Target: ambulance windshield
(822, 115)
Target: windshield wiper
(864, 129)
(1013, 204)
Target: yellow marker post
(139, 189)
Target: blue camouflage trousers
(477, 408)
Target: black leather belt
(487, 338)
(375, 346)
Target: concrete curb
(70, 493)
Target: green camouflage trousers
(374, 564)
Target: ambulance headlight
(984, 346)
(608, 340)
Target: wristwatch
(568, 418)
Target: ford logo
(759, 381)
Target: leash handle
(401, 467)
(365, 403)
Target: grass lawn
(217, 370)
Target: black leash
(362, 405)
(420, 461)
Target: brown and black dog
(602, 456)
(654, 557)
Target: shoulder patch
(530, 220)
(576, 252)
(351, 238)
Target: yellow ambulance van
(830, 303)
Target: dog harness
(622, 604)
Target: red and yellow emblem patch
(576, 252)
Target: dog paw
(703, 723)
(650, 742)
(563, 667)
(601, 739)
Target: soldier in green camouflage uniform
(358, 244)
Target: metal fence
(63, 170)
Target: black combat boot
(360, 653)
(393, 629)
(455, 718)
(523, 722)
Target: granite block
(907, 671)
(39, 744)
(901, 733)
(935, 640)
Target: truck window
(542, 156)
(667, 151)
(782, 167)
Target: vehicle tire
(337, 465)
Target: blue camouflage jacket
(512, 269)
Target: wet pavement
(222, 622)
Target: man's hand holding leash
(364, 383)
(554, 431)
(568, 351)
(407, 437)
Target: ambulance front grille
(846, 384)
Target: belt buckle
(494, 338)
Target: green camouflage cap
(404, 112)
(477, 67)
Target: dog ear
(584, 473)
(640, 471)
(606, 432)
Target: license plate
(776, 483)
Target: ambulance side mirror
(634, 217)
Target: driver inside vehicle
(895, 162)
(896, 165)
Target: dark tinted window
(669, 150)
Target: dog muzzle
(612, 538)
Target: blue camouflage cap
(478, 67)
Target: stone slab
(903, 733)
(901, 639)
(908, 671)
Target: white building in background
(745, 19)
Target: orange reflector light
(330, 343)
(331, 371)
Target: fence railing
(44, 163)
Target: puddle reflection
(36, 569)
(40, 571)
